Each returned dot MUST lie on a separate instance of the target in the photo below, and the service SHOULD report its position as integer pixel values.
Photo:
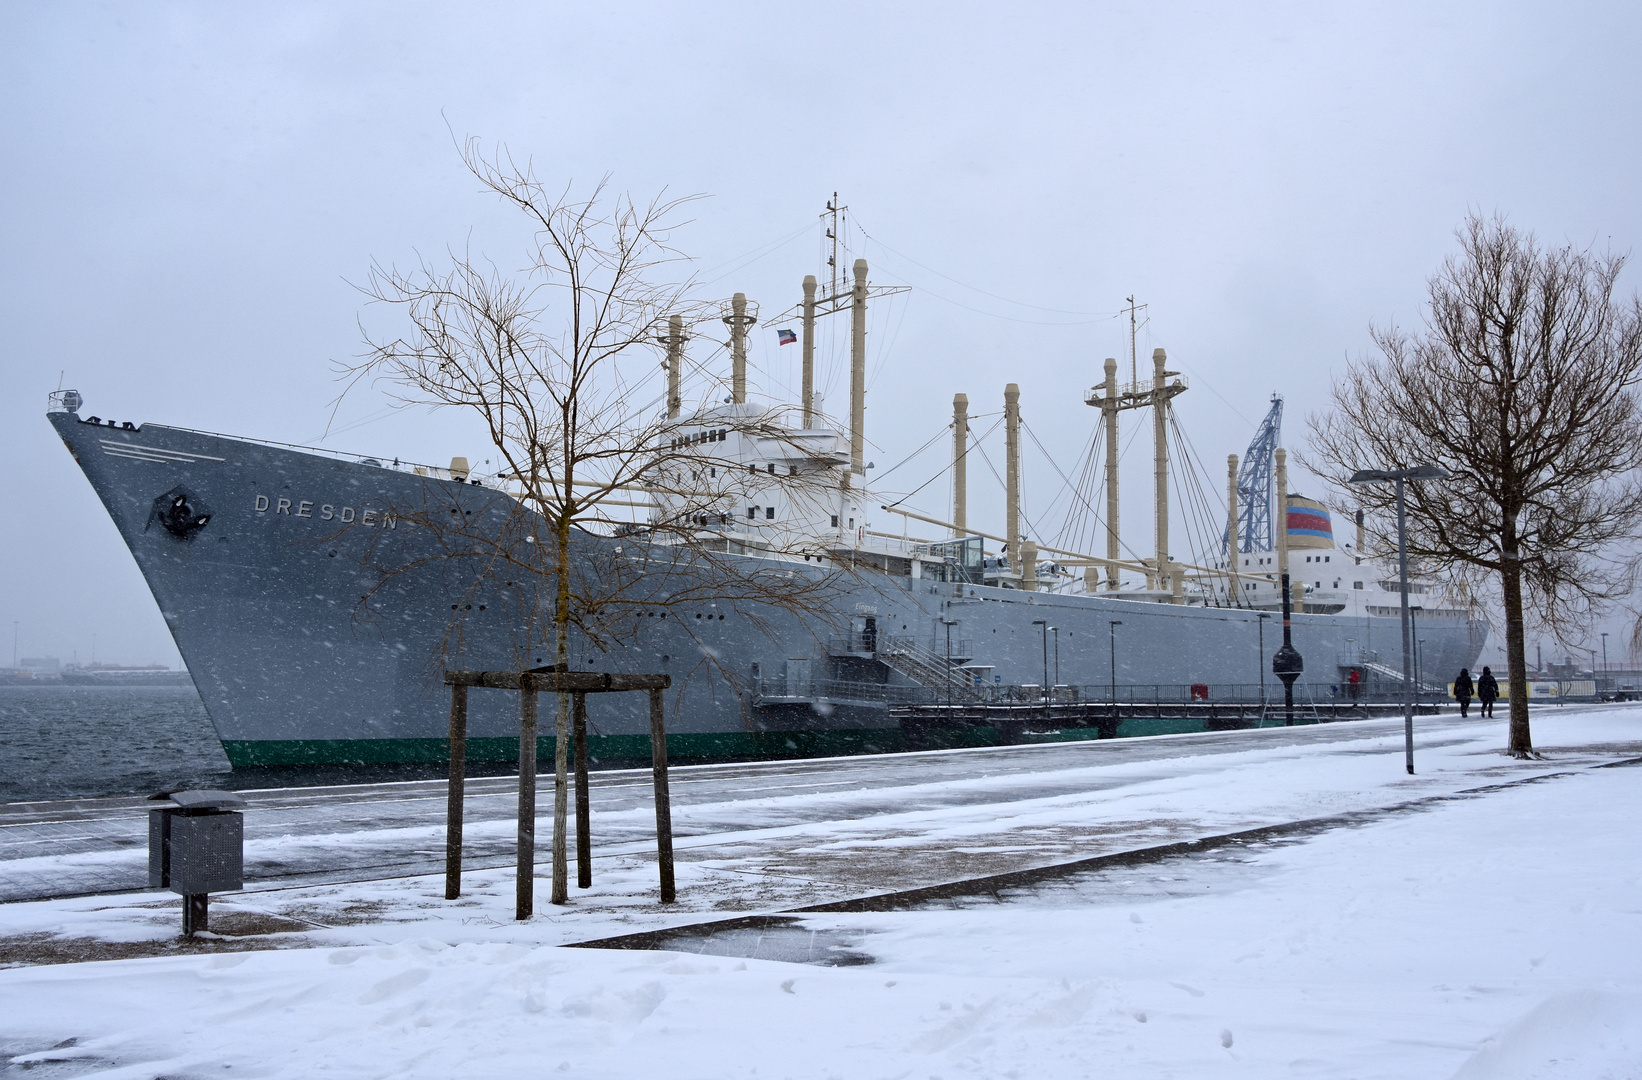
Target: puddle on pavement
(767, 937)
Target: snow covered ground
(1497, 934)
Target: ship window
(792, 470)
(752, 468)
(1325, 558)
(712, 472)
(769, 512)
(752, 511)
(771, 467)
(1356, 584)
(852, 523)
(835, 521)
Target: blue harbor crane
(1254, 485)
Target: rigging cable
(983, 292)
(937, 476)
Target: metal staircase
(924, 667)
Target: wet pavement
(780, 826)
(823, 934)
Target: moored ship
(302, 593)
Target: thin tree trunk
(561, 800)
(1516, 648)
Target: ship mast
(1111, 399)
(1133, 310)
(853, 297)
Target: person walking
(1487, 691)
(1462, 690)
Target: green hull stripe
(681, 748)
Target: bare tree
(1522, 384)
(559, 360)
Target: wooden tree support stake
(458, 786)
(571, 730)
(584, 825)
(525, 878)
(664, 809)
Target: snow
(1495, 934)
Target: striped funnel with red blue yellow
(1309, 524)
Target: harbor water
(61, 742)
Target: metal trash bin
(196, 846)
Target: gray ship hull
(316, 622)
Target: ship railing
(1333, 693)
(1129, 696)
(854, 643)
(841, 690)
(376, 460)
(962, 648)
(1139, 388)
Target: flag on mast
(786, 337)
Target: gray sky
(187, 190)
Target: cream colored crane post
(675, 360)
(1012, 473)
(1234, 542)
(960, 464)
(858, 369)
(1160, 466)
(1109, 411)
(739, 320)
(809, 352)
(1297, 590)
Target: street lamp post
(1045, 624)
(1604, 654)
(1400, 477)
(1111, 629)
(1056, 631)
(1351, 660)
(948, 623)
(1286, 662)
(1414, 632)
(1260, 661)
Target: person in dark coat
(1487, 691)
(1462, 690)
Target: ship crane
(1254, 490)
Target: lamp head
(1416, 472)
